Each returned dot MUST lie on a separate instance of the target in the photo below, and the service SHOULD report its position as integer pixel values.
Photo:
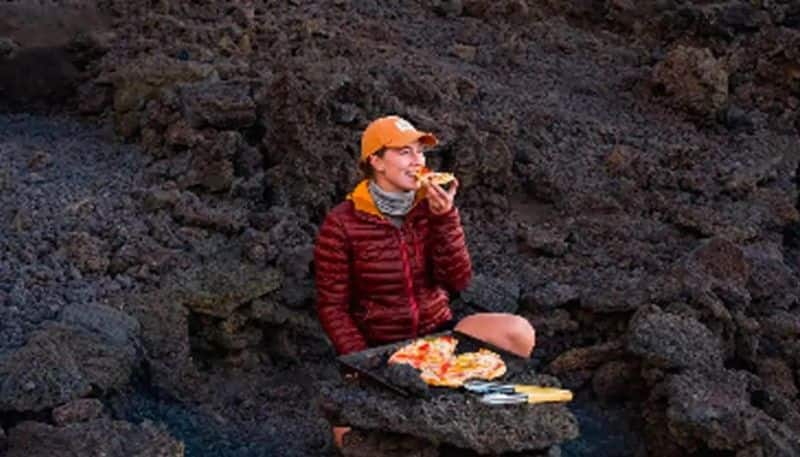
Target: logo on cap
(403, 125)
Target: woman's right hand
(440, 201)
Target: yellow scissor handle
(539, 394)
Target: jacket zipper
(409, 286)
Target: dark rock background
(628, 177)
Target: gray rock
(193, 212)
(224, 105)
(82, 410)
(219, 288)
(587, 357)
(87, 252)
(62, 363)
(612, 298)
(492, 294)
(364, 443)
(345, 113)
(451, 417)
(778, 440)
(714, 409)
(782, 324)
(772, 281)
(717, 263)
(141, 80)
(614, 379)
(269, 310)
(544, 241)
(233, 333)
(90, 439)
(448, 7)
(211, 165)
(165, 337)
(7, 47)
(157, 198)
(112, 325)
(777, 374)
(694, 80)
(551, 295)
(732, 18)
(670, 341)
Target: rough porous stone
(571, 172)
(358, 443)
(671, 341)
(715, 409)
(694, 79)
(225, 105)
(82, 410)
(551, 295)
(111, 324)
(62, 363)
(492, 294)
(588, 357)
(219, 289)
(452, 418)
(89, 439)
(615, 379)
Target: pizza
(435, 177)
(426, 352)
(435, 358)
(483, 364)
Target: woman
(387, 257)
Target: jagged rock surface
(615, 188)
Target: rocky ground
(629, 185)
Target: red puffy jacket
(377, 283)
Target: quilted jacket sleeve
(452, 267)
(332, 268)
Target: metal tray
(372, 362)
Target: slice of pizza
(426, 352)
(483, 364)
(434, 177)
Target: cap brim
(409, 137)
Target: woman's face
(396, 170)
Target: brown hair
(366, 167)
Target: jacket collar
(362, 199)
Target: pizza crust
(440, 178)
(483, 364)
(435, 177)
(439, 366)
(426, 352)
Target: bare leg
(338, 435)
(506, 331)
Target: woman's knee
(522, 334)
(508, 331)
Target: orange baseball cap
(391, 132)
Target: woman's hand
(440, 201)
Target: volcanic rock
(217, 289)
(492, 294)
(82, 410)
(61, 363)
(88, 439)
(551, 295)
(225, 105)
(715, 409)
(694, 79)
(588, 357)
(452, 418)
(671, 341)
